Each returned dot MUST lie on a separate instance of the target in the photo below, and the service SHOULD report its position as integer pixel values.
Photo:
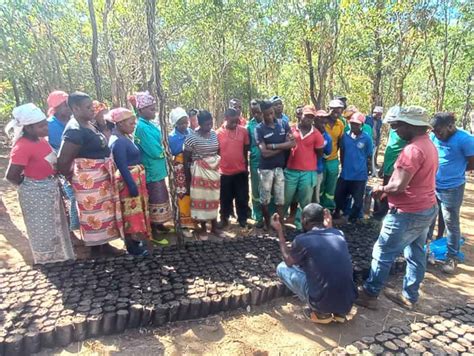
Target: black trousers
(235, 187)
(346, 188)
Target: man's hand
(327, 219)
(275, 222)
(378, 193)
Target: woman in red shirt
(32, 169)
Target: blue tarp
(439, 248)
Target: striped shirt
(201, 147)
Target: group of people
(110, 165)
(426, 174)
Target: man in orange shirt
(234, 144)
(236, 104)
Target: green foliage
(211, 51)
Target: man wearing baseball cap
(412, 202)
(356, 148)
(278, 109)
(300, 173)
(335, 128)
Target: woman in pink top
(32, 169)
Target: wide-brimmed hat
(412, 115)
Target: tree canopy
(375, 52)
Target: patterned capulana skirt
(45, 220)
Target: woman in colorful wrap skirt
(32, 169)
(149, 140)
(84, 158)
(201, 162)
(180, 121)
(131, 181)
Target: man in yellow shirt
(335, 129)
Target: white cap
(378, 110)
(336, 103)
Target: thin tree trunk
(150, 9)
(309, 61)
(109, 4)
(466, 120)
(376, 97)
(15, 91)
(95, 51)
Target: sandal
(317, 318)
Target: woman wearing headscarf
(131, 181)
(84, 158)
(100, 111)
(59, 114)
(149, 141)
(201, 162)
(180, 121)
(32, 169)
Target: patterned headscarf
(144, 99)
(97, 106)
(55, 99)
(118, 114)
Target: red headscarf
(55, 99)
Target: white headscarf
(176, 114)
(26, 114)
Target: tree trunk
(15, 91)
(466, 120)
(309, 61)
(377, 80)
(109, 4)
(150, 9)
(95, 52)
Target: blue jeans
(295, 279)
(450, 201)
(73, 213)
(405, 232)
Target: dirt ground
(277, 328)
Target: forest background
(199, 54)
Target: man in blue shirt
(318, 267)
(456, 156)
(356, 148)
(278, 108)
(274, 140)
